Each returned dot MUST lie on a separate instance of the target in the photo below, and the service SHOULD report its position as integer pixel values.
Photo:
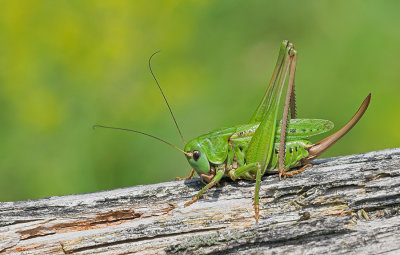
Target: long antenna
(152, 136)
(165, 99)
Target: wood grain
(342, 205)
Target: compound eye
(196, 155)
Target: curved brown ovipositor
(317, 149)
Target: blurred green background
(66, 65)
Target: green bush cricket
(264, 144)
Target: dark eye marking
(196, 155)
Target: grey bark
(342, 205)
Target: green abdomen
(294, 151)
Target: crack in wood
(100, 221)
(135, 240)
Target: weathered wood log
(347, 204)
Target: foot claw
(185, 178)
(282, 173)
(293, 172)
(182, 178)
(257, 212)
(191, 201)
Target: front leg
(214, 181)
(206, 178)
(187, 177)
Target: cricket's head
(197, 157)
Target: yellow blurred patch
(40, 111)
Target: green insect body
(227, 147)
(265, 144)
